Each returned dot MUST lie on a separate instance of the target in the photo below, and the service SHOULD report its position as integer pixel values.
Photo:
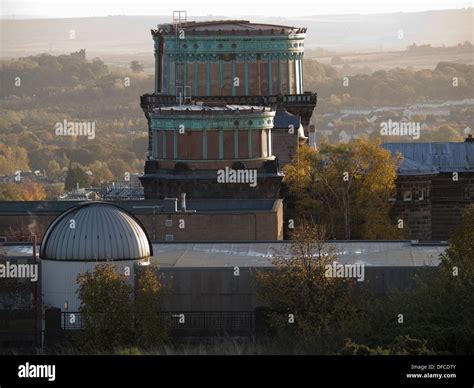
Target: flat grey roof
(259, 254)
(142, 206)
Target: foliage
(27, 191)
(136, 67)
(445, 318)
(148, 299)
(345, 187)
(402, 345)
(75, 177)
(113, 315)
(106, 306)
(324, 308)
(438, 309)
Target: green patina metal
(246, 78)
(200, 122)
(234, 44)
(280, 86)
(234, 92)
(288, 77)
(195, 79)
(236, 143)
(270, 77)
(208, 79)
(251, 57)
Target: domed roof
(95, 231)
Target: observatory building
(220, 86)
(82, 237)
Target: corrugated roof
(442, 157)
(259, 254)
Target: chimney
(183, 202)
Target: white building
(80, 239)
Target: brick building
(163, 220)
(219, 88)
(435, 183)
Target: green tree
(75, 176)
(439, 309)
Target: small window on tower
(392, 197)
(421, 195)
(407, 195)
(168, 222)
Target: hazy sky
(81, 8)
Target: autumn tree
(106, 308)
(27, 191)
(307, 308)
(151, 331)
(346, 187)
(13, 159)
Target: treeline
(415, 49)
(38, 92)
(450, 81)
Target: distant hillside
(130, 34)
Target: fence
(242, 321)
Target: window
(168, 222)
(169, 237)
(407, 195)
(422, 195)
(392, 197)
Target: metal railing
(185, 320)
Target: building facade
(435, 183)
(203, 72)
